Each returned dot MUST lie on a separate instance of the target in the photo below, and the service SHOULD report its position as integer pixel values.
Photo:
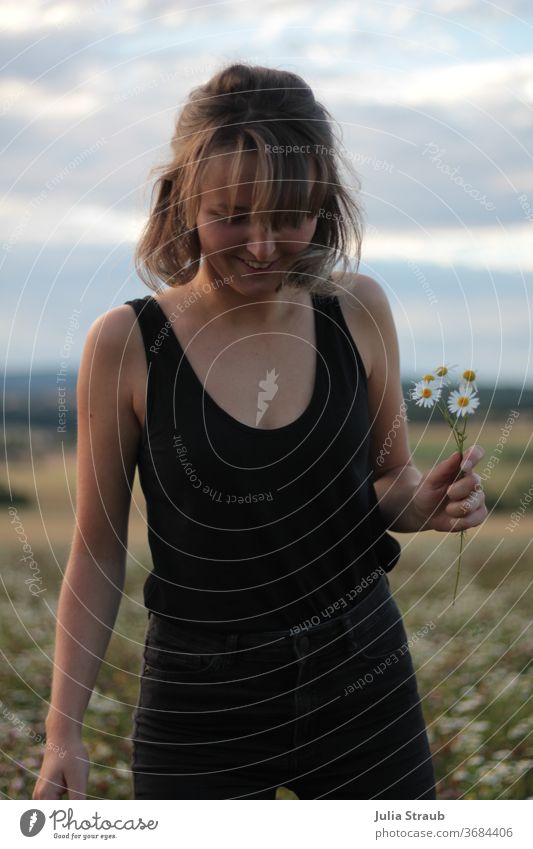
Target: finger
(474, 499)
(471, 521)
(471, 456)
(441, 474)
(467, 505)
(464, 486)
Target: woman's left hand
(444, 502)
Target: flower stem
(459, 437)
(458, 568)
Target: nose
(261, 243)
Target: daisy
(463, 401)
(444, 373)
(433, 378)
(424, 394)
(468, 378)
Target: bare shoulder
(114, 352)
(366, 310)
(117, 336)
(360, 294)
(114, 329)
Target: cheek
(218, 237)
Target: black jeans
(330, 712)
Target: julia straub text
(407, 815)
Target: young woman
(255, 393)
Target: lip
(256, 270)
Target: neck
(262, 308)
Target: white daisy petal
(425, 394)
(463, 401)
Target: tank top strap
(149, 319)
(337, 336)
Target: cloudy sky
(434, 99)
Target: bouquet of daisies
(460, 403)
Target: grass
(471, 667)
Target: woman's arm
(108, 436)
(408, 500)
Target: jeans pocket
(383, 635)
(173, 655)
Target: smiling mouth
(257, 267)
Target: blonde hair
(273, 113)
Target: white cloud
(33, 100)
(34, 16)
(494, 248)
(471, 8)
(57, 219)
(24, 17)
(493, 317)
(449, 83)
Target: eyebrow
(225, 208)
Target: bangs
(287, 188)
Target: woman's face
(251, 255)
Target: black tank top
(256, 529)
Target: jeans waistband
(312, 632)
(358, 614)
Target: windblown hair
(245, 108)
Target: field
(471, 665)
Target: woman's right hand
(63, 773)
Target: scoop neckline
(276, 431)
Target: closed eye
(237, 219)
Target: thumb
(441, 474)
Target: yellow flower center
(441, 371)
(427, 392)
(428, 377)
(463, 401)
(469, 375)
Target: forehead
(214, 179)
(217, 168)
